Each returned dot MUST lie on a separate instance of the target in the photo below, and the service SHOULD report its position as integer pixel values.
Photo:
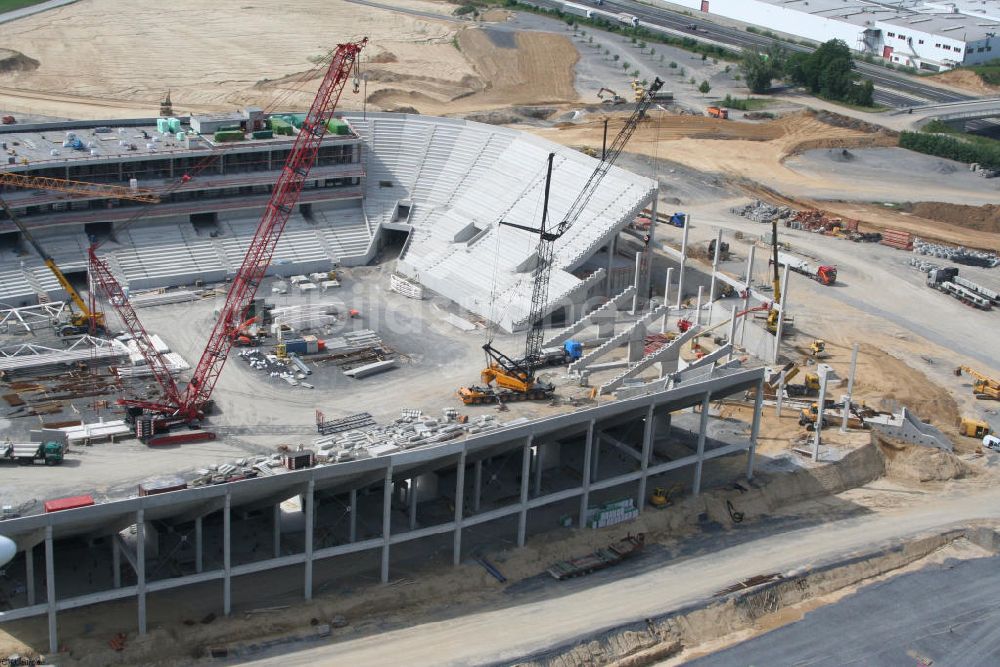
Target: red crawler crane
(189, 405)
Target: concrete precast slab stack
(761, 211)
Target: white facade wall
(910, 46)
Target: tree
(625, 66)
(760, 69)
(704, 88)
(828, 72)
(615, 58)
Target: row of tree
(827, 72)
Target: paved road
(505, 635)
(891, 88)
(946, 614)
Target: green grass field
(10, 5)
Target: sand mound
(967, 80)
(15, 61)
(980, 218)
(914, 463)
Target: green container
(263, 134)
(337, 126)
(229, 135)
(174, 124)
(162, 125)
(180, 136)
(279, 126)
(296, 119)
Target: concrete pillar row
(522, 519)
(585, 470)
(386, 522)
(140, 567)
(456, 555)
(702, 427)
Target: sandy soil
(413, 59)
(965, 80)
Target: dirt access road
(505, 635)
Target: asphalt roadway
(506, 635)
(941, 615)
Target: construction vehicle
(87, 318)
(984, 387)
(817, 347)
(9, 120)
(991, 442)
(250, 333)
(50, 453)
(718, 112)
(174, 406)
(605, 557)
(678, 220)
(825, 275)
(628, 19)
(615, 99)
(638, 90)
(947, 280)
(974, 428)
(664, 496)
(807, 416)
(504, 377)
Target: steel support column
(702, 427)
(588, 449)
(456, 553)
(522, 517)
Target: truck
(9, 120)
(50, 453)
(718, 112)
(824, 274)
(678, 220)
(570, 351)
(578, 10)
(628, 19)
(604, 557)
(947, 280)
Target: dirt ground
(209, 57)
(965, 80)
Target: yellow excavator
(664, 496)
(984, 387)
(974, 428)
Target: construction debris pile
(958, 254)
(291, 373)
(761, 211)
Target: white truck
(578, 10)
(628, 19)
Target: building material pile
(761, 211)
(161, 298)
(29, 357)
(956, 254)
(897, 238)
(610, 514)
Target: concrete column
(456, 553)
(227, 553)
(697, 308)
(781, 315)
(413, 502)
(778, 396)
(477, 485)
(684, 245)
(648, 252)
(748, 283)
(198, 558)
(522, 519)
(386, 522)
(850, 389)
(823, 378)
(310, 529)
(611, 263)
(715, 270)
(353, 534)
(29, 573)
(666, 299)
(758, 409)
(702, 426)
(732, 335)
(50, 591)
(276, 537)
(647, 450)
(588, 450)
(140, 567)
(538, 469)
(636, 300)
(595, 467)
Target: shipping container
(229, 135)
(70, 503)
(180, 438)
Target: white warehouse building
(927, 35)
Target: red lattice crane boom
(190, 404)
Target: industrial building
(931, 36)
